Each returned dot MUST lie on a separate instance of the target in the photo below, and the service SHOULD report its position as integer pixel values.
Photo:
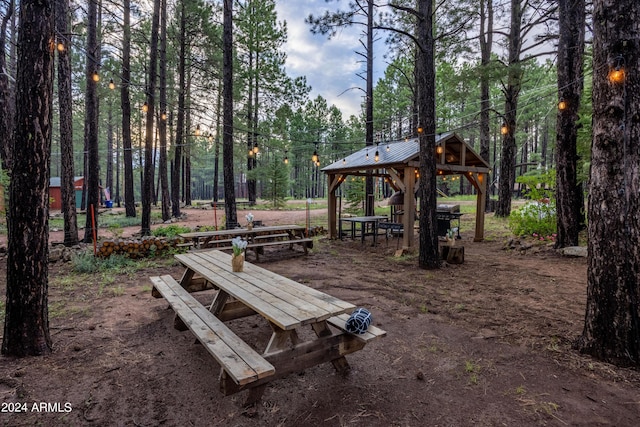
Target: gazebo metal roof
(456, 154)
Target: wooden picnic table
(286, 305)
(257, 237)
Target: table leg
(279, 339)
(322, 330)
(218, 303)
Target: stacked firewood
(137, 248)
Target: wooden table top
(284, 302)
(241, 231)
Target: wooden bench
(372, 332)
(258, 247)
(240, 362)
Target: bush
(534, 218)
(170, 230)
(86, 262)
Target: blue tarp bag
(359, 321)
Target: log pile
(137, 248)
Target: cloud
(331, 66)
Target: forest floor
(487, 342)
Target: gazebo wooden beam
(409, 217)
(479, 181)
(397, 181)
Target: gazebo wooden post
(334, 182)
(409, 217)
(481, 204)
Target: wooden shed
(55, 197)
(398, 162)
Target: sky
(331, 66)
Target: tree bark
(612, 320)
(125, 100)
(369, 207)
(425, 73)
(162, 124)
(227, 119)
(569, 196)
(26, 326)
(511, 94)
(92, 171)
(65, 100)
(6, 96)
(180, 137)
(486, 43)
(147, 183)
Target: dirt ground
(487, 342)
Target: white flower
(238, 245)
(249, 217)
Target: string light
(112, 85)
(60, 46)
(376, 157)
(439, 149)
(95, 77)
(163, 116)
(145, 107)
(388, 148)
(420, 129)
(504, 129)
(255, 148)
(314, 157)
(617, 73)
(562, 104)
(198, 130)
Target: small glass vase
(237, 263)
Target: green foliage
(539, 184)
(534, 218)
(87, 263)
(354, 193)
(170, 230)
(276, 178)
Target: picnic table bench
(285, 304)
(257, 238)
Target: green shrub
(170, 230)
(87, 263)
(534, 218)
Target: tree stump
(452, 254)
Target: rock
(525, 246)
(577, 251)
(55, 254)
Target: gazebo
(398, 163)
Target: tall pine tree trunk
(425, 73)
(26, 324)
(125, 100)
(227, 119)
(65, 101)
(162, 125)
(612, 320)
(6, 95)
(511, 95)
(92, 171)
(216, 156)
(570, 56)
(180, 137)
(147, 182)
(486, 43)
